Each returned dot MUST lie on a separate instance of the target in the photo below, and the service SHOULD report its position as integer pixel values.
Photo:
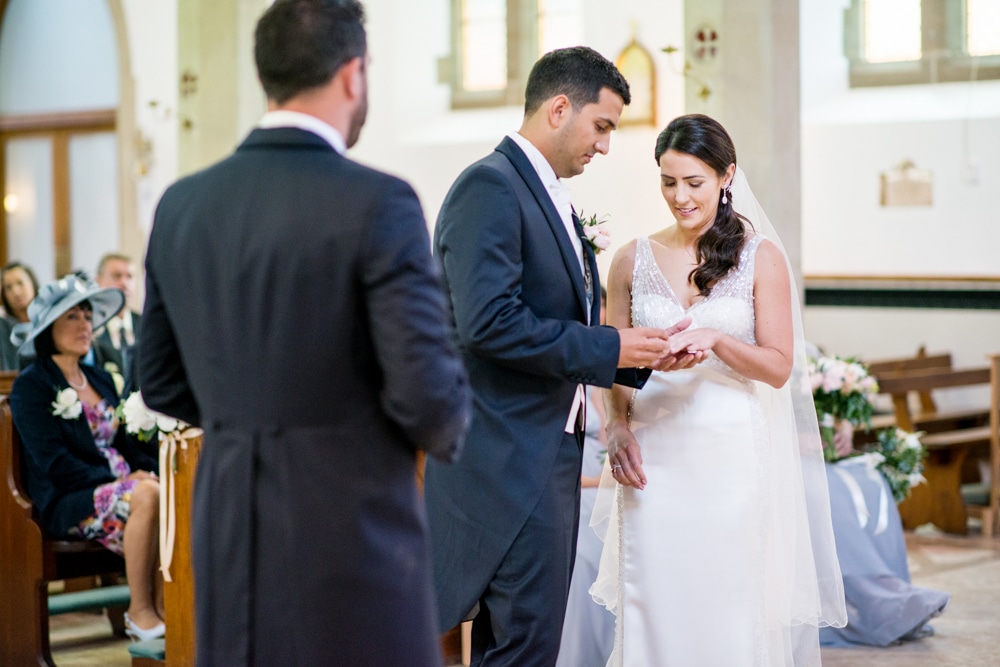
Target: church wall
(848, 138)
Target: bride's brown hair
(718, 249)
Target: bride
(714, 504)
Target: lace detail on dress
(728, 307)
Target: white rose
(67, 404)
(165, 424)
(602, 240)
(138, 417)
(828, 421)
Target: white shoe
(139, 635)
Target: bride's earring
(725, 194)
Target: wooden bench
(950, 438)
(30, 559)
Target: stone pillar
(753, 89)
(220, 98)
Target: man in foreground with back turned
(294, 312)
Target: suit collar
(285, 137)
(303, 121)
(527, 172)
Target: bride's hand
(694, 341)
(625, 456)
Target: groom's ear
(559, 109)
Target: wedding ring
(615, 467)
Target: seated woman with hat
(87, 477)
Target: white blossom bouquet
(143, 422)
(595, 231)
(842, 389)
(902, 460)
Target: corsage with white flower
(145, 423)
(595, 232)
(67, 404)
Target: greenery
(902, 462)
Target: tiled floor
(967, 634)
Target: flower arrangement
(146, 424)
(595, 232)
(67, 404)
(902, 460)
(842, 389)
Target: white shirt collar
(538, 161)
(303, 121)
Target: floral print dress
(112, 500)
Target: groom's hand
(642, 347)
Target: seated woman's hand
(140, 475)
(625, 456)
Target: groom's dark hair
(300, 44)
(579, 73)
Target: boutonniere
(595, 233)
(67, 404)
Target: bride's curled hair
(718, 249)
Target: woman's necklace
(82, 385)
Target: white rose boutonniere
(596, 234)
(67, 404)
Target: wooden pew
(949, 439)
(30, 559)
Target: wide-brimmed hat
(55, 298)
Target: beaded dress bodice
(728, 307)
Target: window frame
(522, 51)
(944, 56)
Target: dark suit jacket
(62, 464)
(294, 311)
(105, 351)
(519, 307)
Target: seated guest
(18, 287)
(114, 344)
(87, 477)
(883, 607)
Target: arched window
(892, 42)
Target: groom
(503, 520)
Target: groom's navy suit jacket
(294, 311)
(520, 313)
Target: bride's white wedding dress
(696, 564)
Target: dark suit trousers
(520, 617)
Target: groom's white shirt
(560, 196)
(558, 192)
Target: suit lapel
(527, 173)
(590, 257)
